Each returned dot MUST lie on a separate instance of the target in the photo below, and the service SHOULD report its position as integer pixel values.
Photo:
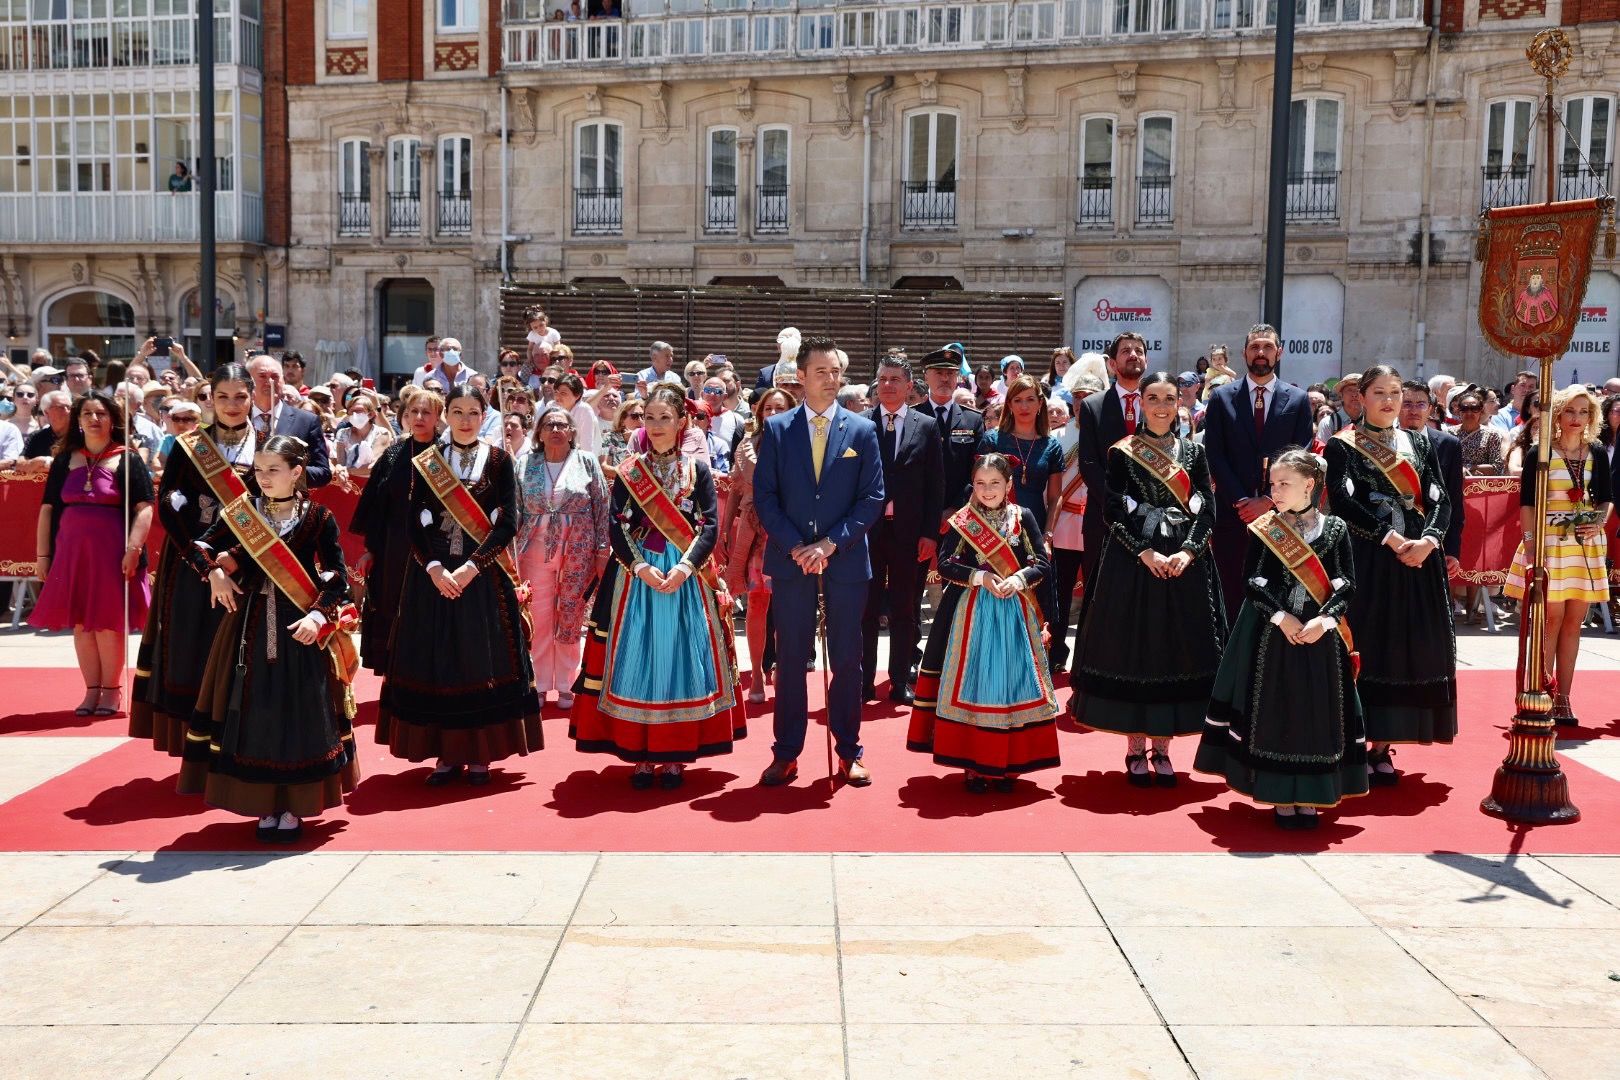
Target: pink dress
(85, 586)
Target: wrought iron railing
(1313, 196)
(1155, 202)
(720, 208)
(598, 211)
(1096, 201)
(928, 204)
(404, 214)
(354, 215)
(771, 211)
(1504, 185)
(455, 213)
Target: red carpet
(558, 800)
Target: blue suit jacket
(796, 509)
(1236, 451)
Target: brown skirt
(262, 800)
(168, 733)
(459, 746)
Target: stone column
(745, 186)
(1125, 179)
(377, 162)
(429, 187)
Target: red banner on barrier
(1490, 529)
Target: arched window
(929, 188)
(1313, 159)
(90, 320)
(720, 196)
(1584, 172)
(599, 178)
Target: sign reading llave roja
(1105, 307)
(1593, 355)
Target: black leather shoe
(477, 777)
(1137, 779)
(441, 777)
(641, 781)
(290, 836)
(1307, 822)
(1006, 784)
(901, 695)
(978, 785)
(869, 693)
(779, 773)
(670, 779)
(265, 834)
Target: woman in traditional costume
(94, 571)
(271, 737)
(1384, 482)
(209, 468)
(984, 701)
(1145, 671)
(460, 684)
(659, 685)
(1578, 501)
(562, 547)
(383, 516)
(1285, 724)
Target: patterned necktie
(261, 424)
(1130, 414)
(818, 442)
(1260, 410)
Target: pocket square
(849, 451)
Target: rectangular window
(1313, 160)
(348, 18)
(598, 195)
(455, 185)
(1155, 174)
(929, 190)
(720, 197)
(1097, 171)
(458, 16)
(354, 171)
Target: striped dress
(1575, 567)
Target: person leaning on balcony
(180, 179)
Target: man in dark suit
(271, 415)
(1245, 427)
(960, 427)
(818, 489)
(1416, 404)
(907, 533)
(1103, 420)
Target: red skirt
(990, 751)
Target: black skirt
(180, 628)
(1147, 655)
(1408, 646)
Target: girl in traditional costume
(984, 699)
(209, 468)
(1145, 669)
(1578, 499)
(1285, 724)
(460, 684)
(271, 736)
(383, 516)
(659, 683)
(1384, 483)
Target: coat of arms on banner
(1537, 260)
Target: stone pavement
(804, 967)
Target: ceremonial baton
(826, 668)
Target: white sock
(268, 821)
(288, 821)
(1286, 811)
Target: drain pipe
(1426, 210)
(506, 175)
(866, 168)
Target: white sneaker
(565, 700)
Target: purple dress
(85, 585)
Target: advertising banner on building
(1105, 307)
(1312, 329)
(1593, 355)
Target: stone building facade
(1111, 153)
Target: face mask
(451, 357)
(7, 408)
(359, 421)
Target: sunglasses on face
(509, 363)
(554, 427)
(548, 382)
(184, 419)
(713, 392)
(633, 415)
(1470, 408)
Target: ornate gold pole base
(1530, 788)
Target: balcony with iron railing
(354, 215)
(1096, 201)
(720, 208)
(1520, 185)
(1504, 185)
(1313, 197)
(662, 31)
(1584, 181)
(771, 210)
(598, 211)
(404, 213)
(1155, 203)
(126, 217)
(121, 40)
(928, 204)
(455, 213)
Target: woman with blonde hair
(616, 440)
(1578, 502)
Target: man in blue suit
(271, 415)
(818, 489)
(1246, 426)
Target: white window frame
(616, 183)
(1100, 215)
(736, 161)
(1142, 202)
(348, 19)
(1582, 139)
(455, 150)
(1508, 133)
(720, 211)
(359, 157)
(787, 157)
(405, 163)
(932, 172)
(1308, 150)
(465, 20)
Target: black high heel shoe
(87, 709)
